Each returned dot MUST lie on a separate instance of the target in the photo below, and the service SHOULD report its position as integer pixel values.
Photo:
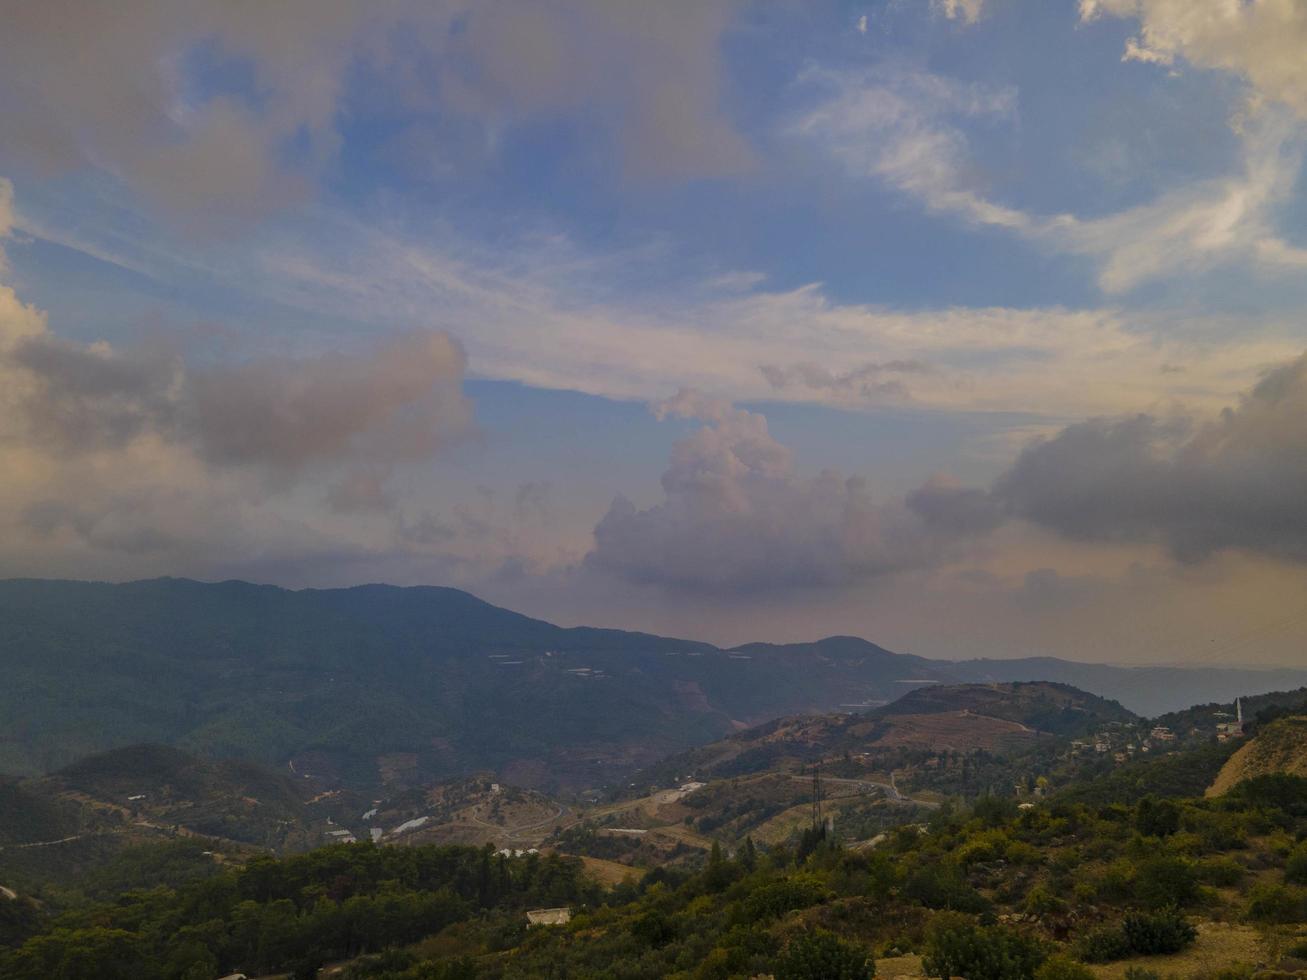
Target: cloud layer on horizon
(736, 517)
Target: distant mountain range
(378, 683)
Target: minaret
(1238, 711)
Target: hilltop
(963, 718)
(1033, 706)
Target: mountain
(377, 685)
(996, 719)
(1278, 748)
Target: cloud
(906, 129)
(398, 403)
(132, 458)
(89, 397)
(868, 383)
(1236, 482)
(737, 518)
(544, 314)
(222, 112)
(967, 11)
(901, 127)
(1262, 41)
(1199, 227)
(655, 78)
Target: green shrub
(823, 956)
(1061, 967)
(1295, 866)
(775, 899)
(1157, 818)
(1040, 901)
(1150, 933)
(654, 929)
(1118, 881)
(1221, 872)
(1166, 881)
(1139, 934)
(1273, 903)
(1103, 945)
(940, 888)
(1298, 950)
(956, 946)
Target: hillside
(81, 816)
(996, 720)
(377, 686)
(1051, 708)
(1278, 748)
(1180, 887)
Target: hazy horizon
(971, 327)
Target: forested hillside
(378, 685)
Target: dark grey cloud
(737, 518)
(1238, 482)
(955, 510)
(399, 402)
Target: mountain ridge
(381, 682)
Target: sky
(973, 327)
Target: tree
(748, 855)
(1167, 881)
(823, 956)
(957, 947)
(1157, 818)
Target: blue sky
(741, 320)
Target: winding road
(514, 833)
(890, 789)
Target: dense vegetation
(989, 892)
(291, 914)
(342, 678)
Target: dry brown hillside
(1280, 747)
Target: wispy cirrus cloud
(908, 130)
(541, 310)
